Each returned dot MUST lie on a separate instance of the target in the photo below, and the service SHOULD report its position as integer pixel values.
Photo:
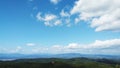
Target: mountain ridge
(64, 55)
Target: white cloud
(55, 1)
(56, 46)
(46, 17)
(16, 50)
(64, 14)
(77, 19)
(110, 46)
(49, 19)
(65, 17)
(105, 44)
(39, 17)
(107, 22)
(30, 44)
(98, 44)
(47, 23)
(73, 46)
(96, 47)
(103, 15)
(58, 22)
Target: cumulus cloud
(95, 47)
(49, 19)
(18, 48)
(65, 17)
(57, 22)
(30, 44)
(39, 17)
(46, 17)
(64, 14)
(103, 15)
(107, 22)
(55, 1)
(73, 46)
(110, 46)
(105, 44)
(15, 50)
(98, 46)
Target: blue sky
(60, 26)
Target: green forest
(60, 63)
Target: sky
(60, 26)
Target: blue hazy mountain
(66, 55)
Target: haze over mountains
(65, 55)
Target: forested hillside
(60, 63)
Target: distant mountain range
(66, 55)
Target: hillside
(60, 63)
